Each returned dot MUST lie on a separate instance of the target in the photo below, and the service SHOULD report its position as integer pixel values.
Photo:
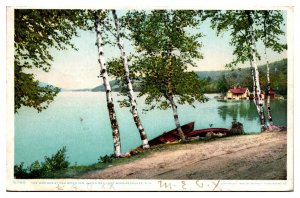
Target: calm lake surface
(79, 121)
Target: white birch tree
(271, 30)
(99, 18)
(165, 49)
(130, 93)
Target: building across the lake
(241, 93)
(272, 94)
(237, 93)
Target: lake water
(79, 121)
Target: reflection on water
(235, 109)
(246, 109)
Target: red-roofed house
(272, 94)
(237, 93)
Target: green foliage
(246, 26)
(58, 161)
(106, 159)
(223, 85)
(20, 171)
(36, 170)
(36, 32)
(271, 29)
(278, 76)
(164, 51)
(29, 93)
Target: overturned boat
(188, 130)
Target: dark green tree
(222, 84)
(36, 32)
(165, 50)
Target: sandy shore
(257, 157)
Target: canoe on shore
(167, 137)
(172, 135)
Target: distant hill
(278, 73)
(215, 75)
(43, 84)
(242, 77)
(86, 89)
(113, 83)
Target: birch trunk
(175, 115)
(104, 75)
(266, 16)
(254, 84)
(259, 103)
(131, 96)
(268, 91)
(171, 98)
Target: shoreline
(257, 156)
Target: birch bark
(266, 14)
(254, 84)
(131, 96)
(171, 98)
(104, 75)
(268, 91)
(259, 103)
(175, 115)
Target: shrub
(35, 170)
(106, 159)
(20, 172)
(57, 161)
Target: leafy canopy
(165, 46)
(246, 27)
(36, 32)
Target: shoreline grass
(77, 170)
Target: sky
(79, 69)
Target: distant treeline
(221, 81)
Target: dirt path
(242, 157)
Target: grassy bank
(77, 171)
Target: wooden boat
(203, 132)
(188, 130)
(167, 137)
(172, 135)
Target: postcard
(164, 98)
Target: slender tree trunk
(175, 115)
(131, 95)
(171, 98)
(104, 75)
(255, 92)
(268, 90)
(266, 15)
(254, 84)
(259, 103)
